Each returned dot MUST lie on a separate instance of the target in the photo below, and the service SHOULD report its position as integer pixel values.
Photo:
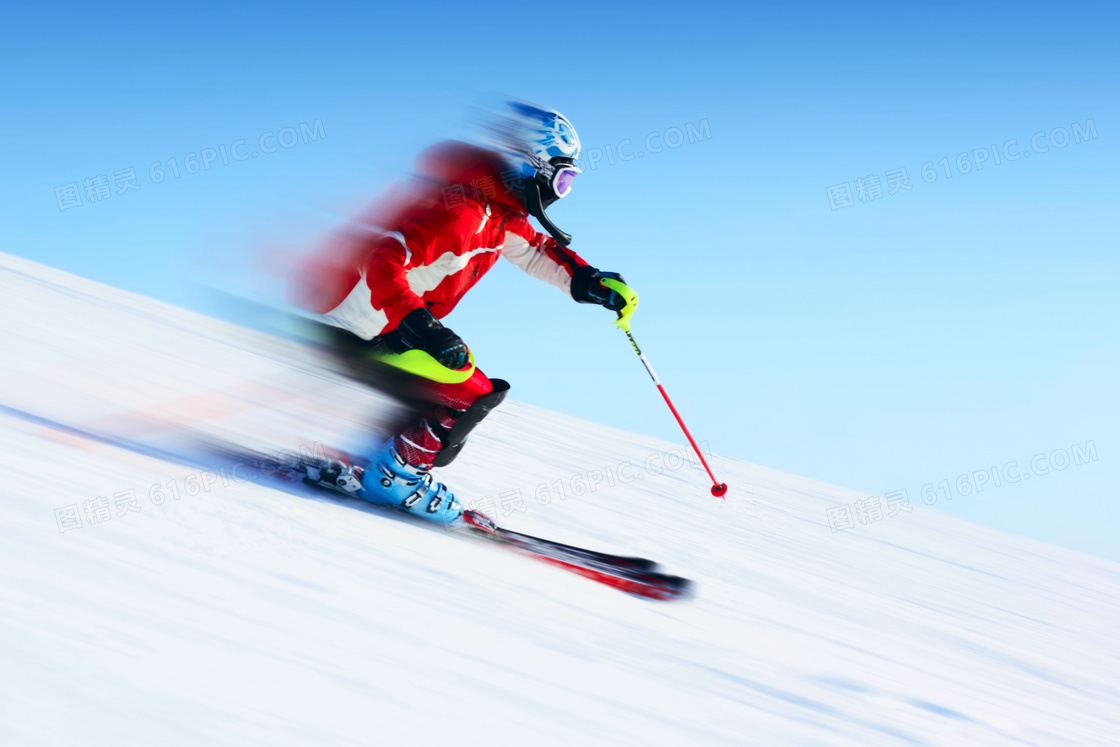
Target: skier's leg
(434, 428)
(459, 424)
(398, 473)
(461, 407)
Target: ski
(636, 576)
(483, 523)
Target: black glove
(420, 330)
(587, 288)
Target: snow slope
(246, 616)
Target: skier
(384, 299)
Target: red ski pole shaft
(718, 488)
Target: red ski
(636, 576)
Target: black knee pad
(471, 417)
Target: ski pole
(623, 323)
(718, 488)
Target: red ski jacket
(434, 248)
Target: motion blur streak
(144, 601)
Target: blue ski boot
(390, 480)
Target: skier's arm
(420, 330)
(540, 256)
(387, 281)
(588, 286)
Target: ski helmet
(542, 147)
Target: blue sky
(960, 324)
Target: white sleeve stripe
(535, 262)
(400, 238)
(356, 313)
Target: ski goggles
(562, 178)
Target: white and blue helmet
(541, 147)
